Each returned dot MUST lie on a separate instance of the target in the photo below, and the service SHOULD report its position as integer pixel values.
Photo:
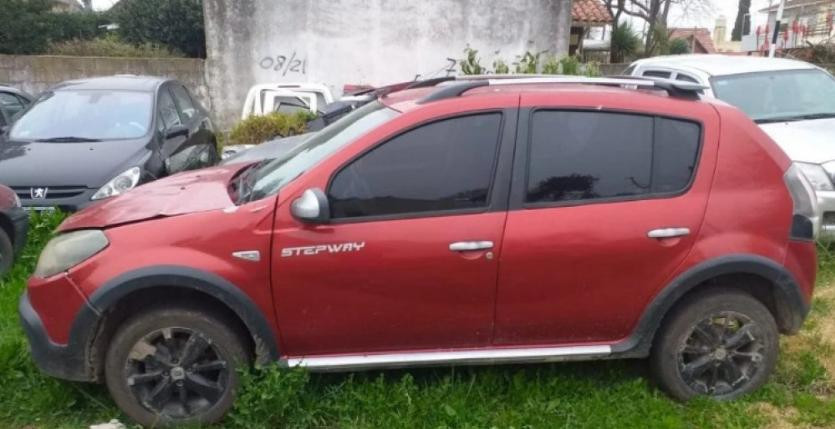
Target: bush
(258, 129)
(28, 26)
(679, 46)
(175, 23)
(110, 46)
(625, 43)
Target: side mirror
(311, 207)
(176, 131)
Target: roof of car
(117, 82)
(13, 90)
(720, 65)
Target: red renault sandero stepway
(463, 222)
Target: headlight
(68, 250)
(817, 176)
(119, 184)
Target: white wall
(373, 42)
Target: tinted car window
(577, 156)
(675, 154)
(587, 155)
(11, 104)
(686, 78)
(168, 110)
(445, 165)
(184, 102)
(657, 73)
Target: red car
(479, 221)
(13, 226)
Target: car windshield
(778, 96)
(269, 178)
(86, 115)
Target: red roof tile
(590, 11)
(704, 41)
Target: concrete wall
(365, 41)
(37, 73)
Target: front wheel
(720, 344)
(174, 366)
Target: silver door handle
(668, 232)
(466, 246)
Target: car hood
(268, 150)
(67, 164)
(805, 141)
(190, 192)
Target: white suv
(792, 101)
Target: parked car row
(471, 220)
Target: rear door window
(11, 104)
(657, 73)
(184, 102)
(168, 110)
(575, 156)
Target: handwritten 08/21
(284, 64)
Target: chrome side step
(442, 358)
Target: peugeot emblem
(38, 193)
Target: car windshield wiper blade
(822, 115)
(68, 139)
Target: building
(699, 39)
(372, 42)
(804, 22)
(588, 17)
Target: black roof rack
(463, 84)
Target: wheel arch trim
(791, 306)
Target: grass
(591, 394)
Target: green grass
(593, 394)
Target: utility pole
(773, 47)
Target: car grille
(52, 193)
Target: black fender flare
(84, 327)
(791, 306)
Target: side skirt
(444, 358)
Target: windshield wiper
(67, 139)
(809, 116)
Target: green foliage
(679, 46)
(471, 65)
(258, 129)
(28, 26)
(111, 46)
(528, 63)
(500, 67)
(625, 43)
(570, 65)
(175, 23)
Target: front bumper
(56, 199)
(68, 362)
(20, 225)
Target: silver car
(792, 101)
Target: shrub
(679, 46)
(258, 129)
(175, 23)
(110, 46)
(472, 64)
(625, 43)
(28, 26)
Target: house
(588, 17)
(699, 39)
(804, 22)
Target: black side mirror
(176, 131)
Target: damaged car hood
(184, 193)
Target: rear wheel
(6, 253)
(720, 344)
(174, 366)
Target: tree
(29, 26)
(174, 23)
(656, 13)
(743, 9)
(624, 43)
(679, 46)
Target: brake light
(805, 219)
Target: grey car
(87, 140)
(12, 103)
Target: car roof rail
(447, 89)
(430, 82)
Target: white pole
(773, 47)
